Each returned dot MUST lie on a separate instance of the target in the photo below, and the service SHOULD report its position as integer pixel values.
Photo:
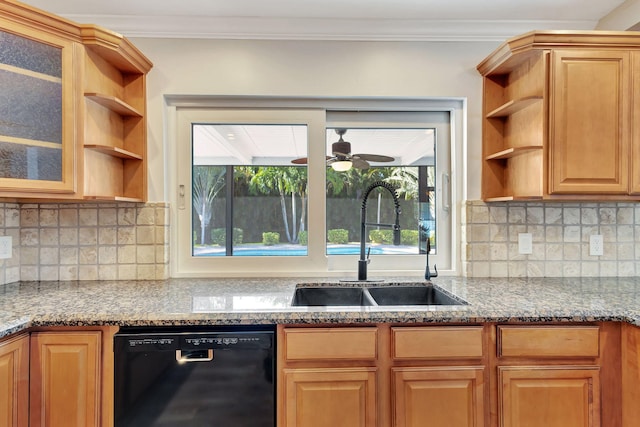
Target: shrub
(409, 237)
(338, 236)
(381, 236)
(303, 237)
(218, 236)
(270, 238)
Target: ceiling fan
(342, 159)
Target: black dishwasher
(195, 377)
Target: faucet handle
(368, 253)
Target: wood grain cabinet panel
(589, 146)
(328, 397)
(330, 343)
(14, 382)
(549, 341)
(439, 397)
(561, 396)
(65, 379)
(456, 342)
(630, 375)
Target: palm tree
(286, 181)
(208, 181)
(405, 179)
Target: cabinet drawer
(436, 342)
(330, 344)
(548, 341)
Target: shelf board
(114, 104)
(512, 152)
(513, 106)
(113, 198)
(114, 151)
(511, 198)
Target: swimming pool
(301, 251)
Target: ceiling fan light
(342, 165)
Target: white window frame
(181, 111)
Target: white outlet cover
(525, 243)
(6, 247)
(596, 245)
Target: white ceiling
(232, 144)
(334, 19)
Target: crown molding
(207, 27)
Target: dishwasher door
(198, 378)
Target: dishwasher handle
(189, 356)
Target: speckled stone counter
(260, 301)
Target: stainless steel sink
(330, 295)
(411, 295)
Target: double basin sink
(373, 295)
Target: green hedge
(338, 236)
(409, 237)
(381, 236)
(270, 238)
(219, 235)
(303, 238)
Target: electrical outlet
(525, 243)
(596, 245)
(6, 247)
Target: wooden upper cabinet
(38, 108)
(589, 144)
(635, 122)
(73, 103)
(557, 117)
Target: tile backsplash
(126, 241)
(88, 241)
(560, 234)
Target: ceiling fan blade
(374, 157)
(300, 161)
(359, 163)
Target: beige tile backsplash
(560, 234)
(125, 241)
(119, 241)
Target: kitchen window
(255, 193)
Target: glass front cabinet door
(37, 112)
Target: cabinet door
(439, 397)
(14, 382)
(630, 375)
(327, 397)
(635, 123)
(549, 396)
(589, 122)
(38, 104)
(65, 379)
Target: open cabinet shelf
(114, 104)
(115, 124)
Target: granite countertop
(264, 301)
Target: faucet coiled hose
(386, 185)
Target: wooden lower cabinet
(438, 397)
(324, 397)
(66, 383)
(630, 376)
(549, 396)
(14, 382)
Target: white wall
(311, 68)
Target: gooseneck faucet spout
(364, 257)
